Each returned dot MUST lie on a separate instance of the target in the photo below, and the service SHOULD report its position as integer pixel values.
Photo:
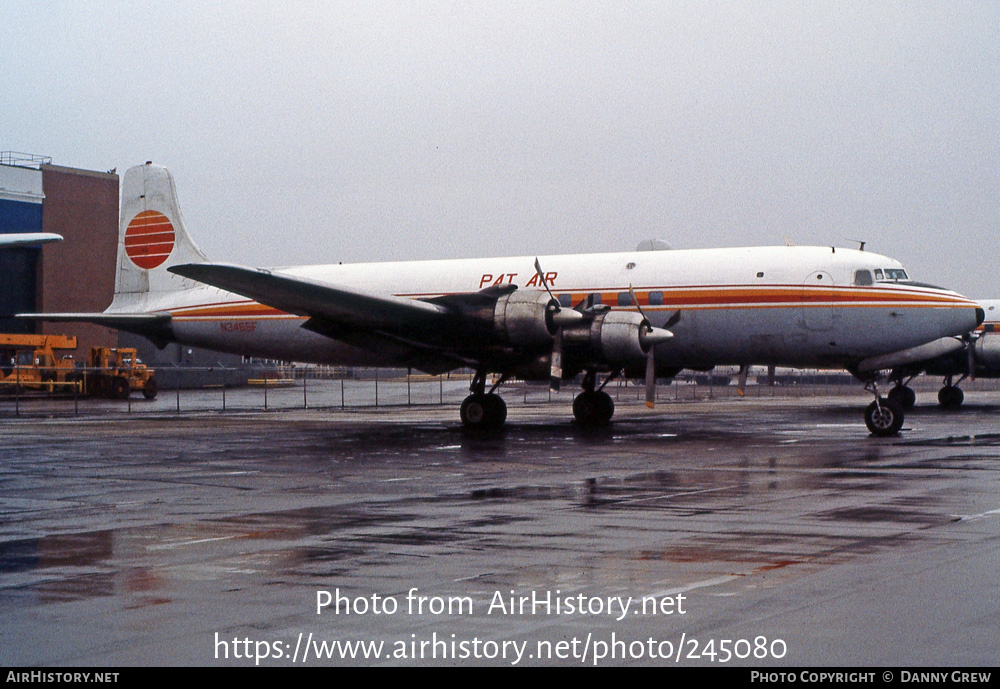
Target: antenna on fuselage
(861, 243)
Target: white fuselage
(794, 306)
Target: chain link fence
(224, 389)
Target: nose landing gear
(884, 416)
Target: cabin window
(566, 300)
(656, 298)
(760, 273)
(863, 277)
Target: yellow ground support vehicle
(30, 362)
(117, 372)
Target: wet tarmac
(738, 532)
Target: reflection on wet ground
(133, 540)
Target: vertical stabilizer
(151, 235)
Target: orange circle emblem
(149, 239)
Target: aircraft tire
(593, 408)
(884, 418)
(497, 413)
(904, 396)
(483, 411)
(951, 397)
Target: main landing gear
(482, 410)
(594, 407)
(901, 393)
(951, 396)
(884, 416)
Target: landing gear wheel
(149, 389)
(903, 396)
(951, 397)
(496, 410)
(480, 410)
(593, 408)
(120, 389)
(884, 418)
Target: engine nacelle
(618, 337)
(987, 349)
(530, 319)
(524, 318)
(615, 337)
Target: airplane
(10, 241)
(978, 358)
(641, 314)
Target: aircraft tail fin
(151, 238)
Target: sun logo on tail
(149, 239)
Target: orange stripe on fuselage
(692, 298)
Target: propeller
(649, 337)
(560, 318)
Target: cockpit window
(896, 274)
(862, 277)
(878, 273)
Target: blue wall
(18, 273)
(18, 216)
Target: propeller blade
(541, 276)
(970, 359)
(635, 303)
(672, 321)
(650, 379)
(555, 372)
(741, 387)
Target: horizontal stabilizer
(112, 320)
(155, 326)
(925, 352)
(305, 297)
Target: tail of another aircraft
(151, 237)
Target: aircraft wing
(305, 297)
(415, 332)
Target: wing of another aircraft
(9, 241)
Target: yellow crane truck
(31, 362)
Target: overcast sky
(303, 132)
